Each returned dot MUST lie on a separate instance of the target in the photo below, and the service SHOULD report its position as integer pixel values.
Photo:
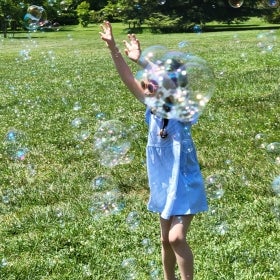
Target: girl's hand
(132, 50)
(107, 35)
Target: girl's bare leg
(168, 256)
(177, 240)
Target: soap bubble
(275, 185)
(235, 3)
(148, 246)
(106, 203)
(261, 140)
(214, 186)
(15, 145)
(133, 220)
(273, 3)
(129, 266)
(273, 148)
(112, 143)
(177, 85)
(266, 41)
(34, 17)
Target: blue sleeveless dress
(175, 180)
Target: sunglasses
(151, 86)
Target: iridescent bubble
(3, 262)
(275, 208)
(273, 148)
(78, 122)
(129, 266)
(222, 228)
(64, 5)
(153, 55)
(33, 17)
(183, 44)
(275, 185)
(197, 29)
(266, 41)
(148, 246)
(261, 140)
(106, 203)
(112, 143)
(273, 3)
(235, 3)
(101, 182)
(177, 85)
(133, 220)
(214, 186)
(15, 145)
(77, 106)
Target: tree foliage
(165, 14)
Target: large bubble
(178, 85)
(112, 142)
(34, 17)
(235, 3)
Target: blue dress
(175, 180)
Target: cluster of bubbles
(36, 18)
(177, 85)
(112, 142)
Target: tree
(84, 13)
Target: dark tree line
(158, 14)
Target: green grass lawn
(58, 88)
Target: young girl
(175, 181)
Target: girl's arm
(124, 71)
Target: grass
(47, 227)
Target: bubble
(129, 266)
(275, 185)
(77, 106)
(266, 41)
(106, 203)
(197, 28)
(214, 186)
(235, 3)
(15, 145)
(78, 122)
(183, 44)
(133, 220)
(260, 140)
(177, 85)
(273, 148)
(101, 182)
(3, 262)
(222, 228)
(161, 2)
(112, 143)
(273, 3)
(148, 246)
(34, 17)
(275, 208)
(64, 5)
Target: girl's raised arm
(124, 71)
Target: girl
(175, 181)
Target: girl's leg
(177, 240)
(168, 256)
